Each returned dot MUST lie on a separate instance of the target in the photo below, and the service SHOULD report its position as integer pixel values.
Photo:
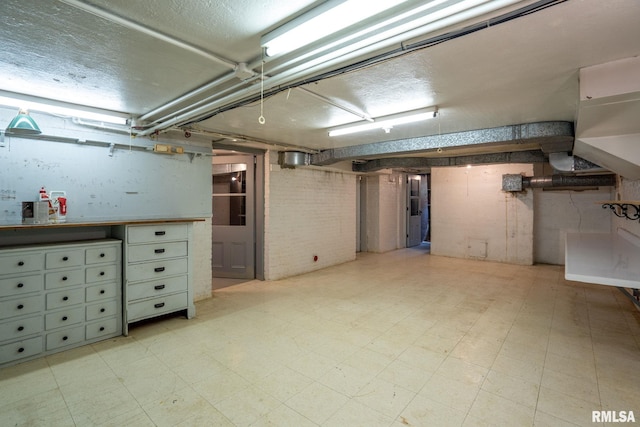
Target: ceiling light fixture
(23, 124)
(326, 19)
(386, 123)
(385, 19)
(61, 110)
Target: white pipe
(335, 104)
(148, 31)
(185, 97)
(293, 73)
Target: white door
(233, 222)
(414, 212)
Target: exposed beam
(542, 133)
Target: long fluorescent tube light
(336, 16)
(386, 123)
(61, 111)
(326, 19)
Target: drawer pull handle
(159, 305)
(102, 310)
(20, 306)
(20, 263)
(20, 328)
(158, 287)
(21, 285)
(65, 258)
(158, 269)
(102, 255)
(65, 298)
(101, 328)
(64, 319)
(21, 349)
(159, 251)
(64, 278)
(102, 291)
(160, 233)
(64, 338)
(102, 273)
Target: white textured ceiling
(522, 71)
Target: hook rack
(629, 209)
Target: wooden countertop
(105, 223)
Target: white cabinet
(57, 296)
(158, 271)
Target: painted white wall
(558, 212)
(628, 190)
(385, 212)
(121, 185)
(472, 217)
(308, 212)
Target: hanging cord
(261, 119)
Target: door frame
(259, 192)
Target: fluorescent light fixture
(61, 110)
(386, 19)
(23, 124)
(386, 123)
(324, 20)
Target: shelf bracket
(628, 210)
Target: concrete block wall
(471, 217)
(308, 213)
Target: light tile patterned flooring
(397, 339)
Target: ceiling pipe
(568, 181)
(101, 13)
(294, 73)
(516, 182)
(335, 104)
(184, 98)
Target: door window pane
(229, 194)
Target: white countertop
(604, 258)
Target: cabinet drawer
(63, 318)
(156, 269)
(65, 298)
(16, 329)
(21, 285)
(102, 291)
(67, 258)
(20, 349)
(65, 337)
(101, 255)
(21, 263)
(103, 309)
(155, 288)
(156, 306)
(63, 279)
(156, 233)
(20, 306)
(104, 327)
(151, 252)
(101, 273)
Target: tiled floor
(398, 339)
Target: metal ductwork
(563, 162)
(291, 159)
(514, 182)
(550, 133)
